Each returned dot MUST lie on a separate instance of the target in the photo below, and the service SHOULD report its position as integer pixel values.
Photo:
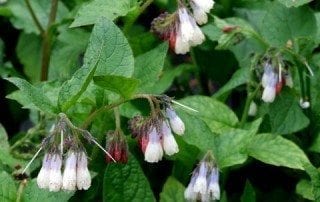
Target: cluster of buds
(63, 139)
(180, 28)
(154, 133)
(273, 78)
(117, 147)
(204, 183)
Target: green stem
(94, 114)
(46, 43)
(22, 185)
(249, 99)
(117, 118)
(34, 17)
(302, 87)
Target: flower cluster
(204, 183)
(117, 146)
(181, 28)
(63, 137)
(272, 81)
(75, 175)
(154, 133)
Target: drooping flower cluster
(204, 183)
(272, 81)
(69, 173)
(181, 28)
(154, 133)
(117, 146)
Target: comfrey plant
(204, 183)
(154, 133)
(63, 143)
(180, 28)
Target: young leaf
(33, 193)
(119, 84)
(35, 95)
(8, 189)
(90, 12)
(278, 151)
(148, 67)
(126, 182)
(173, 191)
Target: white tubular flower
(154, 150)
(205, 5)
(252, 109)
(199, 14)
(69, 180)
(269, 94)
(170, 145)
(176, 123)
(304, 104)
(181, 47)
(189, 194)
(200, 185)
(214, 188)
(267, 74)
(197, 37)
(83, 174)
(42, 179)
(186, 27)
(55, 177)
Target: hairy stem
(22, 185)
(117, 118)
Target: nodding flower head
(55, 177)
(116, 145)
(200, 9)
(44, 173)
(154, 150)
(169, 143)
(204, 183)
(69, 180)
(270, 80)
(175, 121)
(83, 174)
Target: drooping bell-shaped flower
(55, 177)
(154, 150)
(169, 143)
(200, 185)
(186, 27)
(69, 179)
(213, 187)
(44, 173)
(83, 174)
(189, 193)
(175, 121)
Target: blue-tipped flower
(214, 188)
(55, 177)
(175, 121)
(42, 179)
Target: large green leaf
(35, 95)
(108, 53)
(148, 67)
(126, 182)
(8, 188)
(216, 114)
(276, 150)
(90, 12)
(119, 84)
(33, 193)
(295, 3)
(286, 115)
(173, 191)
(22, 19)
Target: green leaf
(173, 191)
(35, 95)
(33, 193)
(90, 12)
(126, 182)
(8, 188)
(216, 114)
(241, 76)
(305, 189)
(29, 54)
(119, 84)
(108, 53)
(286, 115)
(22, 19)
(249, 194)
(278, 151)
(294, 3)
(148, 67)
(4, 144)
